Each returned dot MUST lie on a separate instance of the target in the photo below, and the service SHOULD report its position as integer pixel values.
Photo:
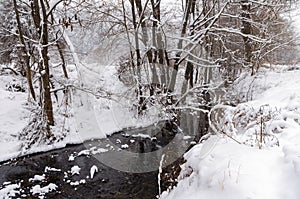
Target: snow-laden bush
(253, 126)
(37, 131)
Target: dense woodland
(210, 41)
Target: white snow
(9, 191)
(217, 168)
(220, 167)
(132, 141)
(124, 146)
(141, 135)
(76, 183)
(93, 170)
(37, 189)
(13, 116)
(52, 169)
(71, 157)
(97, 117)
(99, 150)
(92, 117)
(118, 141)
(84, 152)
(75, 170)
(187, 137)
(37, 178)
(93, 150)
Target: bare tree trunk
(179, 45)
(47, 101)
(188, 76)
(246, 30)
(138, 57)
(159, 44)
(142, 22)
(161, 60)
(155, 79)
(25, 52)
(188, 79)
(35, 13)
(128, 38)
(62, 57)
(152, 57)
(168, 67)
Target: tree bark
(139, 59)
(142, 22)
(47, 101)
(25, 52)
(62, 57)
(179, 45)
(128, 38)
(246, 30)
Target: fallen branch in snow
(204, 86)
(224, 133)
(104, 94)
(11, 69)
(191, 108)
(212, 126)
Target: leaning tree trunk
(24, 51)
(189, 70)
(62, 57)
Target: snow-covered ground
(98, 117)
(13, 117)
(221, 167)
(233, 165)
(90, 117)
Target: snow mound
(37, 189)
(255, 152)
(9, 191)
(94, 169)
(75, 170)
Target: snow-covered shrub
(256, 125)
(221, 120)
(247, 125)
(15, 87)
(37, 131)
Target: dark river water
(125, 177)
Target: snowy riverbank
(225, 168)
(89, 117)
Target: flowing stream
(127, 176)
